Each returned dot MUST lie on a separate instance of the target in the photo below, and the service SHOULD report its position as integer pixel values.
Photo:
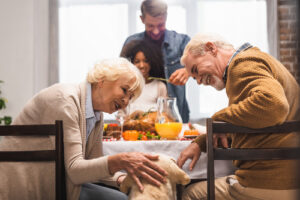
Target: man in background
(171, 43)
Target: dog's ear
(172, 159)
(176, 175)
(126, 184)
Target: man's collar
(244, 47)
(166, 38)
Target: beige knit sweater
(261, 93)
(83, 161)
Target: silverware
(157, 78)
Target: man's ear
(211, 47)
(142, 19)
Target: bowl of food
(112, 130)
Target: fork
(157, 78)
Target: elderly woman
(110, 86)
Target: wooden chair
(245, 154)
(56, 155)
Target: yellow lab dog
(166, 191)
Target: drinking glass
(168, 123)
(120, 117)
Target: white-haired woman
(110, 85)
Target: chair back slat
(60, 186)
(56, 155)
(224, 127)
(214, 127)
(257, 154)
(23, 156)
(28, 130)
(210, 165)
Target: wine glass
(121, 116)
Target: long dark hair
(152, 53)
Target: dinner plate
(190, 136)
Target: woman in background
(147, 57)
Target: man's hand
(179, 77)
(222, 138)
(138, 165)
(192, 152)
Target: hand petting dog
(164, 191)
(138, 166)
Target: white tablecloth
(171, 148)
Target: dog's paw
(123, 188)
(125, 185)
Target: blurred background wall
(29, 42)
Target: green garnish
(157, 78)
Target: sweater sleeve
(79, 169)
(256, 98)
(201, 141)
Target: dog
(166, 191)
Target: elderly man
(261, 93)
(154, 16)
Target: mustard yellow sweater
(261, 93)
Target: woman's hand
(138, 165)
(179, 77)
(191, 152)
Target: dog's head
(175, 174)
